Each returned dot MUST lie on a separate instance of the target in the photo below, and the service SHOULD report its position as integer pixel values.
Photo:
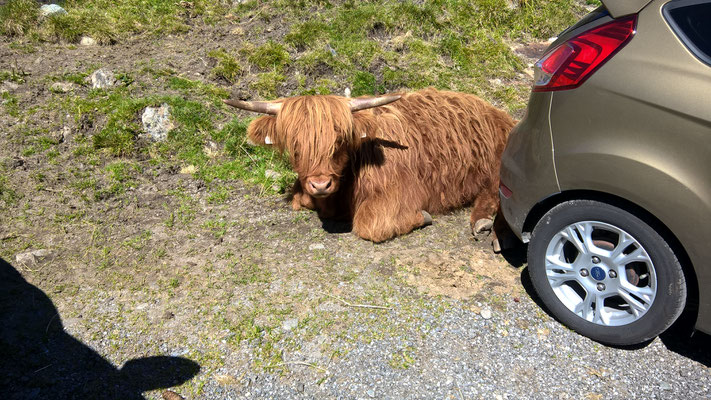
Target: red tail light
(571, 63)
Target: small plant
(227, 68)
(267, 83)
(271, 55)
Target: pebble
(156, 122)
(317, 246)
(87, 41)
(61, 87)
(34, 256)
(485, 313)
(271, 174)
(290, 324)
(51, 9)
(102, 79)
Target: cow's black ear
(262, 131)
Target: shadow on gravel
(680, 338)
(39, 360)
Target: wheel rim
(601, 273)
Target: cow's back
(454, 143)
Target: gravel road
(516, 354)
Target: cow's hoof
(484, 224)
(428, 218)
(496, 246)
(171, 395)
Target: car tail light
(568, 65)
(505, 191)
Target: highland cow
(387, 163)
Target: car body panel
(656, 153)
(530, 166)
(619, 8)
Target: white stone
(87, 41)
(51, 9)
(290, 324)
(32, 257)
(317, 246)
(271, 174)
(62, 87)
(102, 79)
(485, 313)
(156, 122)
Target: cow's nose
(320, 186)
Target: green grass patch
(8, 196)
(18, 16)
(269, 56)
(227, 67)
(267, 83)
(106, 20)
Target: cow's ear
(262, 130)
(364, 125)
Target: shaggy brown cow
(387, 166)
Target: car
(607, 177)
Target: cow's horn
(362, 104)
(263, 107)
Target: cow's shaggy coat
(430, 151)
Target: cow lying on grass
(386, 163)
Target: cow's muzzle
(320, 186)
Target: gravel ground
(515, 354)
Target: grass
(106, 20)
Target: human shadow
(39, 360)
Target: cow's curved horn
(264, 107)
(362, 104)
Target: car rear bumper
(527, 166)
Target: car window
(690, 20)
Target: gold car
(608, 176)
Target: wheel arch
(541, 208)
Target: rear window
(691, 21)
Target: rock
(8, 87)
(34, 257)
(290, 324)
(190, 169)
(102, 79)
(87, 41)
(371, 392)
(156, 122)
(61, 87)
(48, 10)
(317, 246)
(485, 313)
(271, 174)
(15, 162)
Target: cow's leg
(300, 199)
(378, 219)
(483, 210)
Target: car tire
(605, 273)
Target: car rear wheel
(605, 273)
